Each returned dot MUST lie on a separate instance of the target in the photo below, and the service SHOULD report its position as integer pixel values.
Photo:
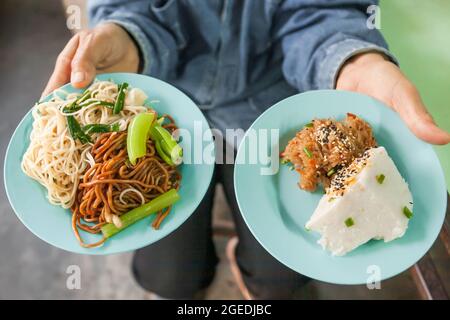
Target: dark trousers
(183, 263)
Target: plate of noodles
(346, 194)
(110, 168)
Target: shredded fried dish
(325, 146)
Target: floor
(31, 269)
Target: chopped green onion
(331, 172)
(309, 125)
(97, 103)
(163, 201)
(115, 127)
(380, 178)
(105, 104)
(349, 222)
(118, 105)
(75, 105)
(307, 229)
(71, 108)
(100, 128)
(86, 95)
(285, 161)
(331, 199)
(75, 130)
(308, 153)
(407, 212)
(74, 127)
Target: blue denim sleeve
(158, 47)
(319, 36)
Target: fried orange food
(324, 146)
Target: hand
(373, 74)
(106, 48)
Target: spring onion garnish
(309, 125)
(349, 222)
(100, 128)
(163, 201)
(307, 229)
(331, 172)
(331, 199)
(86, 95)
(97, 103)
(289, 164)
(74, 127)
(72, 107)
(75, 105)
(118, 106)
(308, 154)
(380, 178)
(407, 212)
(115, 127)
(75, 130)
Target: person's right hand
(106, 48)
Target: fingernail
(77, 77)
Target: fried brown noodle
(113, 186)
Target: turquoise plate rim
(356, 280)
(110, 249)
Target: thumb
(408, 103)
(83, 66)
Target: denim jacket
(235, 58)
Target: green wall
(418, 33)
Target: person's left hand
(373, 74)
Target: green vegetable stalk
(163, 201)
(74, 127)
(98, 103)
(118, 106)
(162, 154)
(100, 128)
(138, 131)
(166, 146)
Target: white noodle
(54, 158)
(131, 190)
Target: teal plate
(53, 223)
(276, 210)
